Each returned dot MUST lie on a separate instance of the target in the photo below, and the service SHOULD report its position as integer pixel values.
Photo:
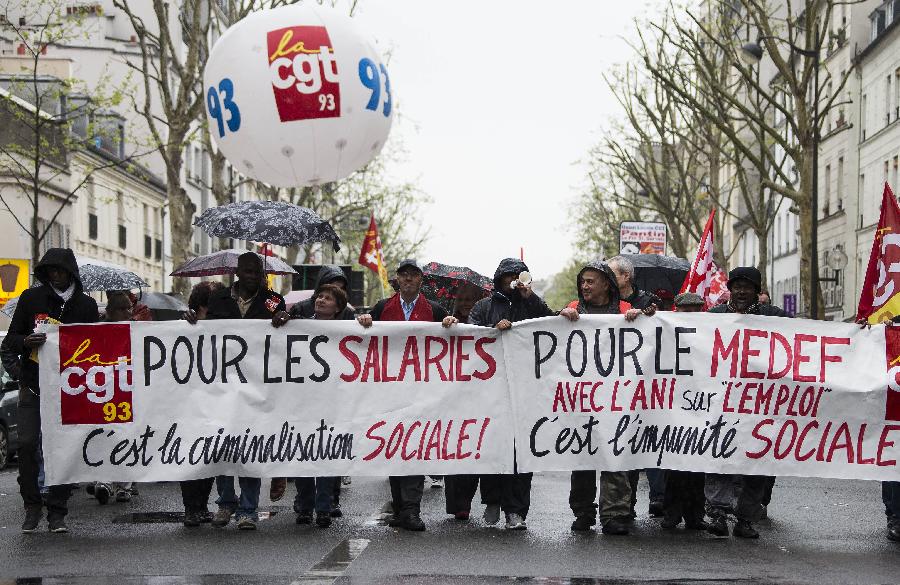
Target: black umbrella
(274, 222)
(161, 301)
(225, 262)
(95, 277)
(653, 272)
(440, 282)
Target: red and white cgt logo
(95, 374)
(304, 73)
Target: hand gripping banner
(713, 393)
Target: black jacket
(490, 311)
(641, 299)
(43, 300)
(223, 306)
(757, 309)
(329, 273)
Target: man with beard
(247, 298)
(511, 493)
(744, 286)
(409, 304)
(643, 300)
(598, 294)
(58, 299)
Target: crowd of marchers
(703, 502)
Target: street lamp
(752, 53)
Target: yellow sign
(13, 278)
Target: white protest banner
(714, 393)
(171, 401)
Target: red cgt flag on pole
(705, 278)
(371, 255)
(880, 297)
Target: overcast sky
(499, 101)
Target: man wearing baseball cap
(744, 285)
(683, 498)
(408, 304)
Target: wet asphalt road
(819, 531)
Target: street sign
(13, 278)
(790, 304)
(642, 237)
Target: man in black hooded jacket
(511, 493)
(58, 299)
(744, 284)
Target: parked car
(9, 408)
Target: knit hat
(749, 273)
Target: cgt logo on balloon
(95, 378)
(304, 73)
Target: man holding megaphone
(512, 300)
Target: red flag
(371, 255)
(880, 297)
(705, 278)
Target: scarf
(65, 295)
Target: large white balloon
(297, 96)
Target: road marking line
(334, 564)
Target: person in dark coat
(328, 274)
(744, 286)
(459, 490)
(195, 492)
(316, 493)
(59, 299)
(684, 497)
(510, 493)
(598, 294)
(305, 309)
(247, 298)
(409, 304)
(644, 300)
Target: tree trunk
(181, 214)
(762, 238)
(807, 262)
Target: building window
(887, 100)
(826, 208)
(863, 115)
(123, 237)
(878, 22)
(861, 197)
(840, 184)
(780, 243)
(148, 247)
(92, 226)
(894, 174)
(157, 249)
(897, 91)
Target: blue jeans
(890, 495)
(249, 500)
(314, 492)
